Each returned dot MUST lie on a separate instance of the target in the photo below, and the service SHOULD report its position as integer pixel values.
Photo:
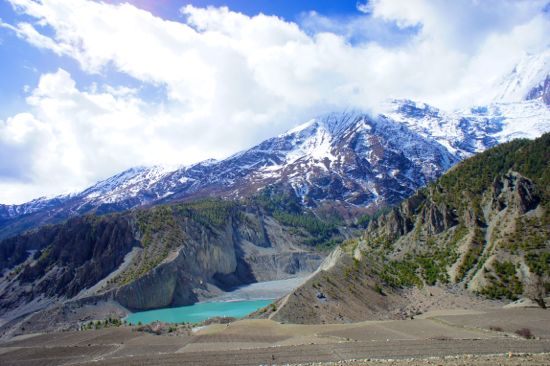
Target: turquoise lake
(198, 312)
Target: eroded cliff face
(449, 244)
(483, 227)
(58, 262)
(245, 249)
(163, 256)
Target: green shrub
(504, 282)
(539, 263)
(378, 289)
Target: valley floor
(468, 336)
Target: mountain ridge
(312, 149)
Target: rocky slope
(168, 255)
(483, 226)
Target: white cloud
(231, 79)
(462, 25)
(71, 138)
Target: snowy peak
(316, 143)
(316, 138)
(541, 91)
(468, 131)
(352, 157)
(333, 123)
(336, 123)
(530, 73)
(128, 183)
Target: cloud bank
(229, 80)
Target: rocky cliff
(162, 256)
(484, 226)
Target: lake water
(198, 312)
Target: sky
(91, 88)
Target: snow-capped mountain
(468, 131)
(348, 156)
(352, 157)
(522, 81)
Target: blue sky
(90, 88)
(289, 10)
(22, 64)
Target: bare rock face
(162, 287)
(520, 193)
(541, 91)
(205, 256)
(61, 261)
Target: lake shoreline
(265, 290)
(237, 303)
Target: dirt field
(490, 360)
(263, 342)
